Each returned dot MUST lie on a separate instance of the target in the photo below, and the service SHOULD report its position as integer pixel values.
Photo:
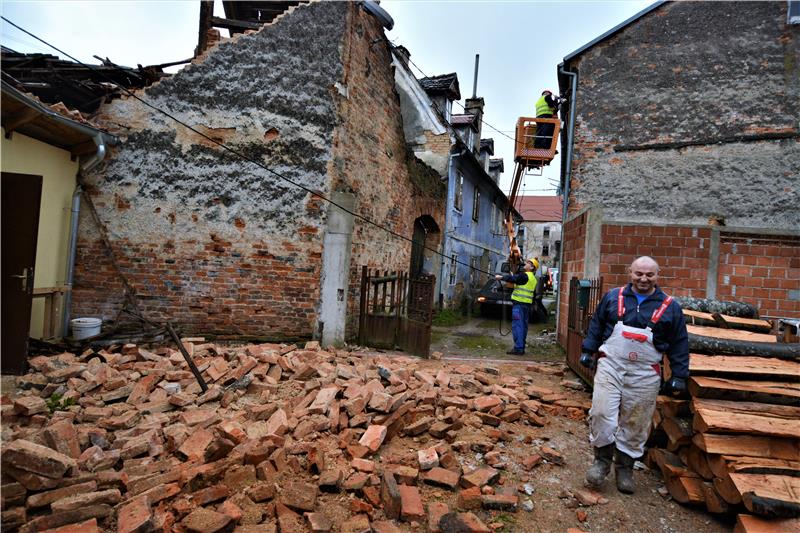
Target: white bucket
(83, 328)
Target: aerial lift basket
(528, 156)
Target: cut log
(697, 460)
(748, 445)
(699, 318)
(684, 485)
(731, 334)
(768, 494)
(734, 322)
(714, 502)
(719, 346)
(744, 366)
(721, 465)
(747, 390)
(727, 490)
(746, 523)
(706, 305)
(678, 430)
(669, 406)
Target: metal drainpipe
(445, 238)
(86, 166)
(568, 177)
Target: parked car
(494, 300)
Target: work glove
(676, 387)
(587, 360)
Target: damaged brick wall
(691, 112)
(370, 158)
(216, 243)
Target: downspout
(567, 178)
(86, 166)
(445, 234)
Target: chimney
(474, 106)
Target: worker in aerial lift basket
(546, 107)
(522, 300)
(630, 331)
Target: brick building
(220, 245)
(683, 145)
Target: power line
(239, 154)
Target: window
(453, 268)
(545, 251)
(546, 231)
(474, 273)
(459, 191)
(476, 204)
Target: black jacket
(669, 334)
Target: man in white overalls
(631, 330)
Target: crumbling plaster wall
(222, 246)
(207, 239)
(701, 73)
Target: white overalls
(626, 385)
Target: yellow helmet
(534, 261)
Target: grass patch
(478, 342)
(449, 318)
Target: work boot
(623, 469)
(599, 470)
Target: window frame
(476, 204)
(458, 194)
(453, 277)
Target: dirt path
(479, 341)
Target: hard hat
(534, 261)
(548, 91)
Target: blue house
(473, 243)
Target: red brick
(411, 503)
(463, 523)
(89, 526)
(373, 437)
(37, 459)
(436, 510)
(135, 516)
(441, 477)
(205, 521)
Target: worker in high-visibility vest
(546, 107)
(522, 300)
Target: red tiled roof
(540, 208)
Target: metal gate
(583, 297)
(396, 311)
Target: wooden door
(21, 198)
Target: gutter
(567, 175)
(85, 166)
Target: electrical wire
(243, 156)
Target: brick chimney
(474, 106)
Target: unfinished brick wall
(574, 253)
(681, 252)
(212, 241)
(763, 270)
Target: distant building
(541, 223)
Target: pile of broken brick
(284, 439)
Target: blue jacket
(669, 334)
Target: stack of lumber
(734, 447)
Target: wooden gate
(583, 301)
(396, 311)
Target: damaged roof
(55, 125)
(241, 16)
(464, 120)
(445, 84)
(80, 87)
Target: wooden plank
(769, 494)
(669, 406)
(746, 523)
(721, 422)
(748, 445)
(748, 390)
(684, 485)
(754, 408)
(731, 334)
(757, 367)
(735, 322)
(698, 317)
(761, 465)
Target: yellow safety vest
(524, 293)
(543, 108)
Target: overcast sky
(520, 44)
